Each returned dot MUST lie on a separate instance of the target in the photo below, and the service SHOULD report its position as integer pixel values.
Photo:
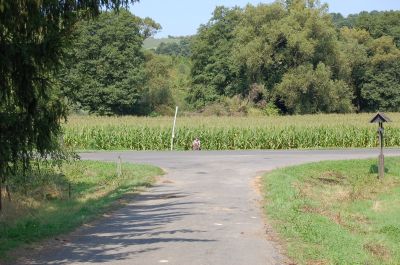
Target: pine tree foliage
(33, 34)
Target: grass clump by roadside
(337, 212)
(59, 200)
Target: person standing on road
(196, 145)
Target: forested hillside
(153, 43)
(288, 57)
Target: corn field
(228, 133)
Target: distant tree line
(378, 24)
(181, 48)
(289, 57)
(297, 57)
(107, 72)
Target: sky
(183, 17)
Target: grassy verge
(47, 210)
(337, 212)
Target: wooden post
(381, 166)
(119, 166)
(173, 129)
(380, 118)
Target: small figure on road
(196, 145)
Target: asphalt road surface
(204, 211)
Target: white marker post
(173, 129)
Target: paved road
(204, 211)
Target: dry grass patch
(378, 250)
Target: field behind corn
(228, 133)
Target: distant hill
(153, 43)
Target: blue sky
(183, 17)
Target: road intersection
(204, 211)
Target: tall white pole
(173, 129)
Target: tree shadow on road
(137, 228)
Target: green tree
(381, 87)
(373, 69)
(240, 49)
(105, 69)
(354, 47)
(182, 48)
(340, 21)
(379, 24)
(157, 97)
(274, 41)
(213, 71)
(32, 37)
(167, 83)
(260, 45)
(181, 81)
(305, 90)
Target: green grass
(95, 187)
(337, 212)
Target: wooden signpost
(380, 118)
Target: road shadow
(142, 224)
